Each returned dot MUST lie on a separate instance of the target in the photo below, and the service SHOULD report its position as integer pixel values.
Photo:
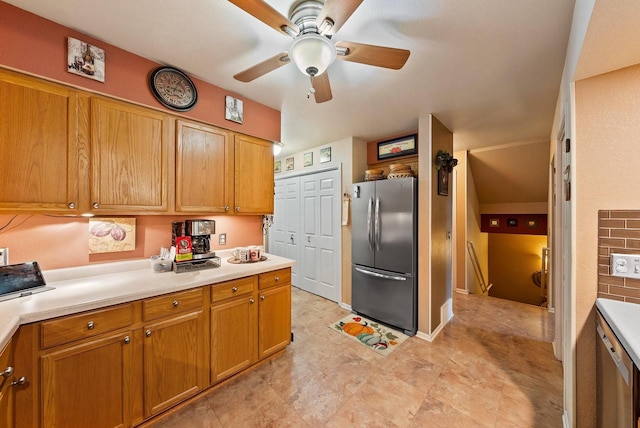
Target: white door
(284, 233)
(321, 264)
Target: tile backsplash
(618, 232)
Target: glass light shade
(277, 148)
(312, 52)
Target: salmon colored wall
(57, 242)
(607, 121)
(38, 46)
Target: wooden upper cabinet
(204, 164)
(39, 137)
(253, 192)
(131, 151)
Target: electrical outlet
(222, 239)
(625, 265)
(4, 256)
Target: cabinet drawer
(170, 304)
(75, 327)
(276, 277)
(233, 288)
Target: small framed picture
(277, 166)
(325, 154)
(399, 147)
(85, 60)
(233, 109)
(289, 164)
(443, 182)
(532, 223)
(512, 222)
(494, 222)
(307, 159)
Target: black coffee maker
(200, 232)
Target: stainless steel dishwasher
(615, 379)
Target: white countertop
(624, 319)
(95, 286)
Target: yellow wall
(512, 260)
(607, 156)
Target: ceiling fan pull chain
(312, 90)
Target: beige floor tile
(196, 415)
(317, 399)
(356, 413)
(392, 397)
(436, 414)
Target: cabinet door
(233, 336)
(203, 167)
(6, 390)
(130, 157)
(88, 385)
(39, 166)
(274, 324)
(174, 362)
(253, 191)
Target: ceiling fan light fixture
(312, 53)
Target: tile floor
(491, 366)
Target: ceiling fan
(311, 24)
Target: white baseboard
(462, 291)
(446, 313)
(565, 420)
(345, 306)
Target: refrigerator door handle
(380, 275)
(369, 226)
(377, 224)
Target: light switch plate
(222, 239)
(625, 265)
(4, 256)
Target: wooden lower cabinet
(234, 335)
(120, 366)
(174, 366)
(88, 384)
(274, 332)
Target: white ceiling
(489, 70)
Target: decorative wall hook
(445, 161)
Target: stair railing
(476, 267)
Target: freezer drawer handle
(380, 275)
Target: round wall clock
(173, 88)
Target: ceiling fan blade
(265, 13)
(378, 56)
(322, 87)
(263, 68)
(338, 11)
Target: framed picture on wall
(443, 182)
(289, 164)
(325, 154)
(85, 60)
(398, 147)
(307, 160)
(277, 166)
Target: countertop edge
(623, 318)
(73, 295)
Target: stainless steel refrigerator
(384, 239)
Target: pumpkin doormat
(371, 334)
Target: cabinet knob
(96, 205)
(237, 209)
(147, 333)
(20, 381)
(234, 289)
(71, 205)
(252, 301)
(127, 340)
(226, 208)
(176, 303)
(277, 278)
(90, 325)
(7, 372)
(262, 297)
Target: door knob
(20, 381)
(96, 205)
(71, 205)
(127, 339)
(291, 238)
(309, 239)
(147, 333)
(90, 325)
(175, 303)
(7, 372)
